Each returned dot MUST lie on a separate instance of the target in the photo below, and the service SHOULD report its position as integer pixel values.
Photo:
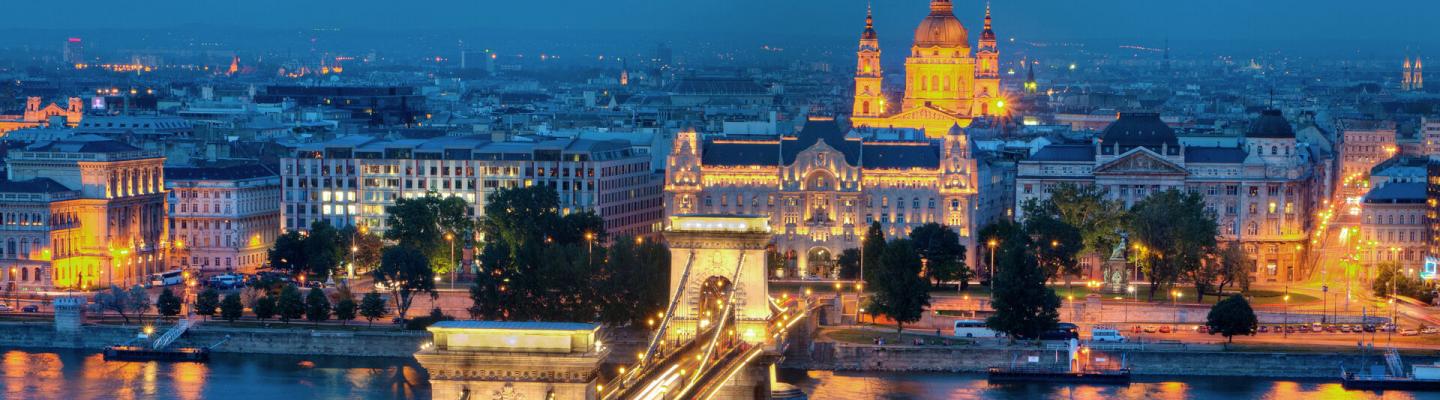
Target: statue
(1116, 268)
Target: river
(80, 375)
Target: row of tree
(283, 302)
(901, 272)
(323, 250)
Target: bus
(166, 278)
(972, 328)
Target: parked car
(1150, 329)
(1062, 331)
(1303, 329)
(4, 307)
(1356, 329)
(1165, 329)
(1290, 329)
(1409, 332)
(1106, 335)
(1343, 329)
(1369, 328)
(30, 308)
(1136, 329)
(1429, 330)
(1264, 329)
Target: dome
(941, 28)
(1271, 125)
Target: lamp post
(1287, 313)
(589, 247)
(1174, 303)
(450, 237)
(992, 243)
(1131, 289)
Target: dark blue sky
(1336, 25)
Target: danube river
(40, 374)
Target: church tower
(1407, 75)
(869, 94)
(987, 71)
(1418, 82)
(940, 71)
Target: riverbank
(293, 340)
(1210, 362)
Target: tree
(317, 306)
(1085, 207)
(1056, 243)
(290, 305)
(632, 282)
(372, 307)
(849, 262)
(323, 250)
(362, 246)
(345, 310)
(1176, 232)
(872, 247)
(1231, 316)
(264, 307)
(899, 292)
(1024, 306)
(230, 308)
(999, 233)
(1235, 266)
(1390, 279)
(942, 253)
(288, 253)
(207, 302)
(422, 223)
(406, 273)
(117, 300)
(139, 301)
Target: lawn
(866, 336)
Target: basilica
(945, 84)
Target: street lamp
(992, 243)
(1287, 313)
(1130, 289)
(450, 237)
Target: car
(1409, 332)
(1062, 331)
(1342, 329)
(1264, 329)
(1165, 329)
(1356, 328)
(1106, 335)
(1290, 329)
(30, 308)
(1206, 329)
(4, 307)
(1369, 328)
(1136, 329)
(1150, 329)
(1429, 330)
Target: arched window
(923, 85)
(24, 274)
(865, 107)
(935, 82)
(1274, 150)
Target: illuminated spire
(987, 34)
(941, 7)
(987, 15)
(869, 24)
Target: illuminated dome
(941, 28)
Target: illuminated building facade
(945, 85)
(822, 188)
(38, 114)
(1363, 145)
(350, 181)
(1413, 75)
(223, 219)
(1394, 226)
(1259, 191)
(83, 212)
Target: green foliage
(871, 248)
(540, 265)
(899, 292)
(290, 305)
(849, 262)
(366, 247)
(372, 307)
(1024, 305)
(423, 224)
(168, 304)
(1390, 276)
(345, 310)
(940, 248)
(265, 307)
(406, 273)
(288, 253)
(999, 233)
(1056, 243)
(1177, 233)
(317, 306)
(231, 309)
(323, 251)
(1232, 316)
(420, 323)
(207, 302)
(1085, 208)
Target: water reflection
(824, 385)
(62, 374)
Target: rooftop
(517, 325)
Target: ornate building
(1413, 75)
(945, 85)
(1261, 192)
(822, 188)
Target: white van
(1106, 335)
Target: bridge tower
(711, 255)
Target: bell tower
(869, 93)
(1406, 76)
(682, 173)
(987, 71)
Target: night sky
(1338, 25)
